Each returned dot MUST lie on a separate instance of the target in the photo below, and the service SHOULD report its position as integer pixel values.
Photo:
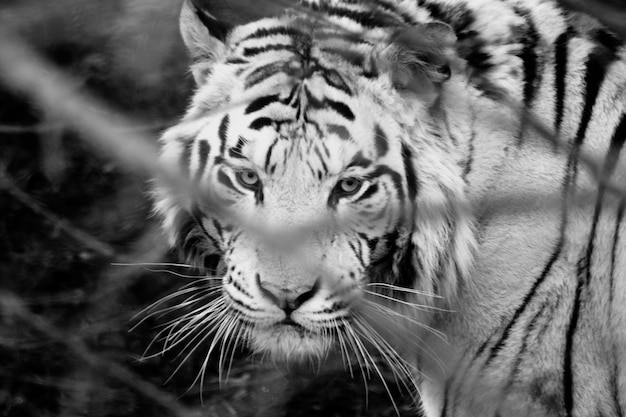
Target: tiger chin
(358, 179)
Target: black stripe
(446, 393)
(396, 178)
(337, 106)
(248, 52)
(367, 193)
(560, 71)
(409, 170)
(616, 367)
(340, 108)
(197, 215)
(556, 252)
(359, 251)
(264, 72)
(237, 61)
(617, 144)
(258, 195)
(268, 155)
(597, 63)
(615, 148)
(218, 227)
(529, 58)
(276, 30)
(335, 80)
(259, 103)
(381, 141)
(568, 371)
(359, 160)
(610, 160)
(528, 332)
(203, 153)
(225, 179)
(260, 123)
(237, 150)
(616, 238)
(339, 130)
(470, 152)
(291, 98)
(321, 157)
(222, 132)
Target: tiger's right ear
(206, 24)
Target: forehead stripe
(263, 73)
(237, 151)
(223, 129)
(260, 123)
(276, 30)
(259, 103)
(261, 49)
(325, 103)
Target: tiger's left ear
(206, 24)
(420, 59)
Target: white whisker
(357, 348)
(402, 289)
(407, 303)
(378, 371)
(386, 310)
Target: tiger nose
(288, 299)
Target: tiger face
(312, 189)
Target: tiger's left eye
(348, 186)
(248, 178)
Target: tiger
(434, 185)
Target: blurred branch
(12, 307)
(24, 71)
(46, 127)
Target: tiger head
(322, 190)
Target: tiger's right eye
(348, 186)
(248, 179)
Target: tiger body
(364, 147)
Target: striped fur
(365, 181)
